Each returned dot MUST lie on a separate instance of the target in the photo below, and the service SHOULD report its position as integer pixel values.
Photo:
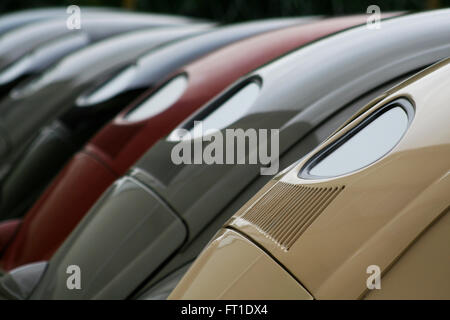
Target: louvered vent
(287, 210)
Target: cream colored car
(363, 216)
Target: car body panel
(160, 230)
(122, 142)
(194, 246)
(67, 79)
(196, 225)
(28, 166)
(72, 180)
(31, 49)
(375, 217)
(52, 237)
(257, 45)
(19, 41)
(21, 18)
(416, 260)
(337, 80)
(82, 121)
(208, 198)
(241, 282)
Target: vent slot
(287, 210)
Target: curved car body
(29, 50)
(97, 104)
(20, 41)
(29, 165)
(173, 210)
(321, 229)
(21, 18)
(122, 142)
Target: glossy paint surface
(376, 218)
(196, 224)
(60, 85)
(135, 137)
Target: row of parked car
(93, 205)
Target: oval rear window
(159, 101)
(110, 89)
(361, 147)
(227, 113)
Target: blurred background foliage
(237, 10)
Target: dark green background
(238, 10)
